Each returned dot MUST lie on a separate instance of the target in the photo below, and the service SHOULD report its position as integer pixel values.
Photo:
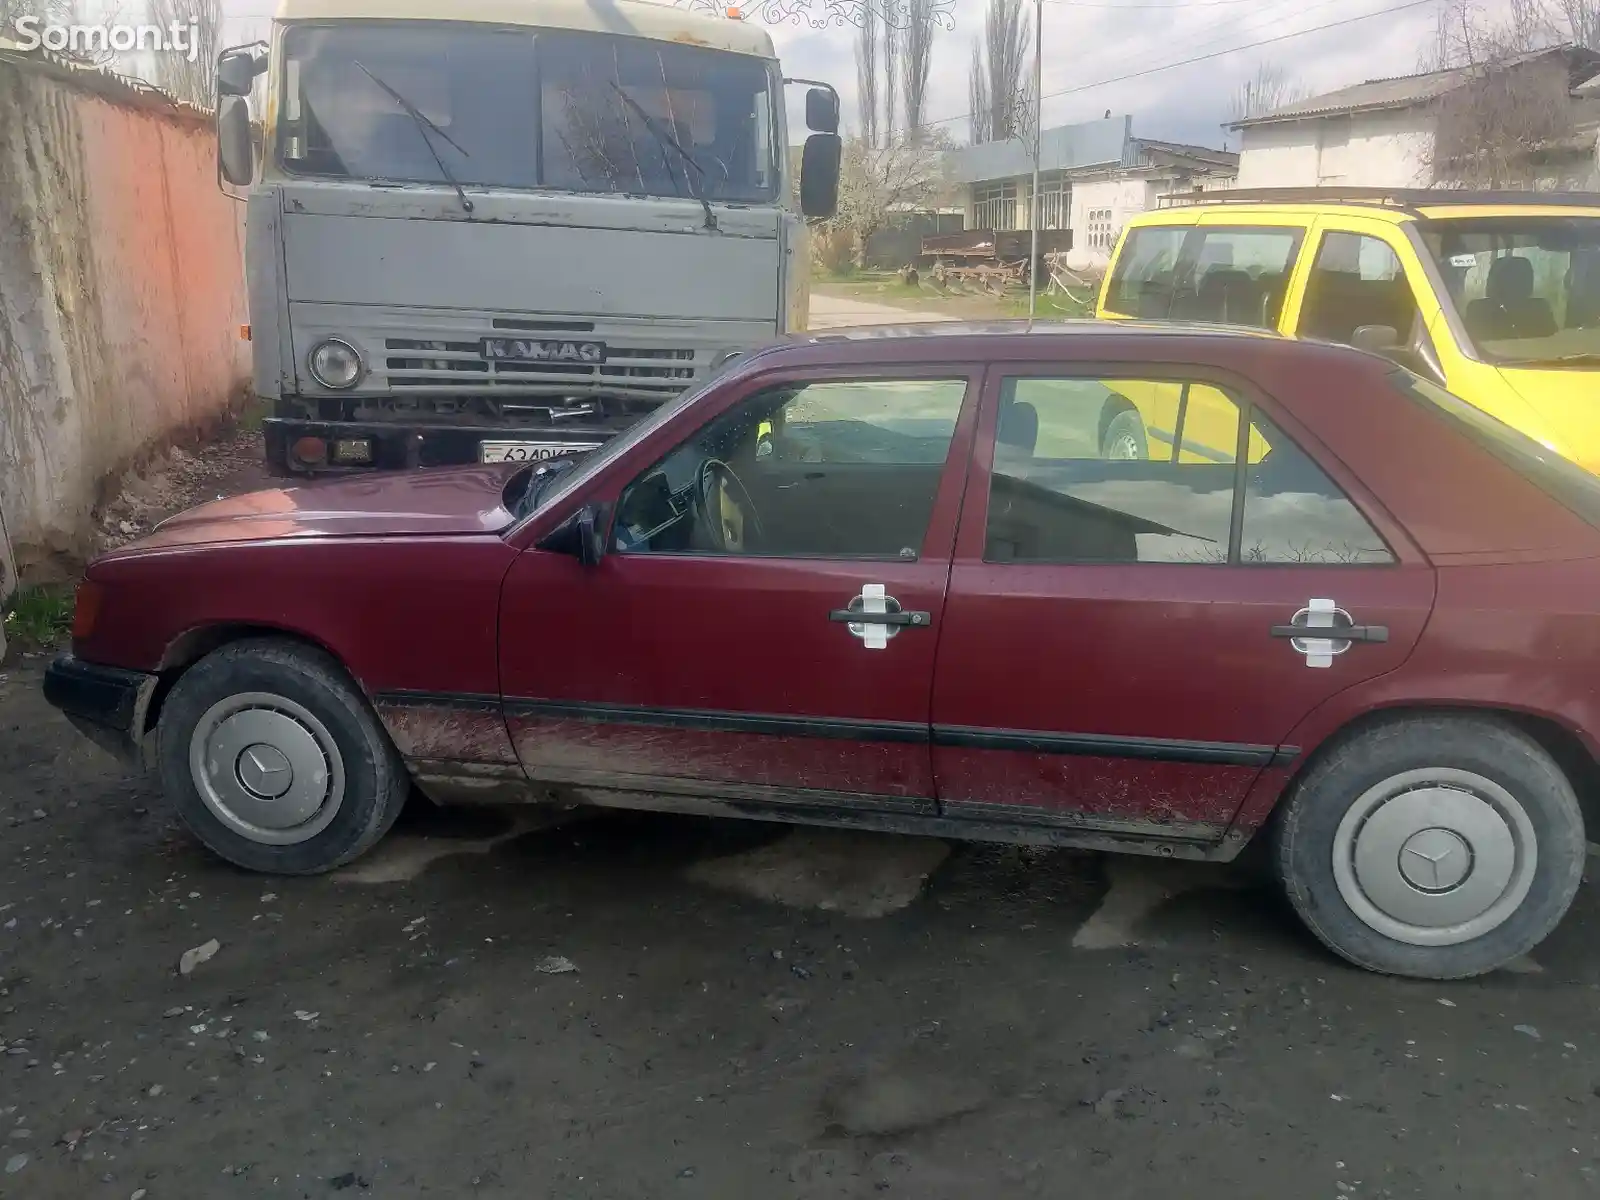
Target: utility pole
(1038, 123)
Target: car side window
(1356, 281)
(1146, 471)
(1235, 276)
(1142, 283)
(829, 469)
(1294, 513)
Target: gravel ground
(643, 1006)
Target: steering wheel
(733, 523)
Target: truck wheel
(1439, 847)
(275, 760)
(1123, 439)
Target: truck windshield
(1527, 289)
(526, 109)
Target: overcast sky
(1087, 41)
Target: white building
(1093, 177)
(1382, 133)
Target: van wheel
(275, 761)
(1436, 847)
(1124, 439)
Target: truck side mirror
(237, 70)
(819, 175)
(235, 148)
(822, 110)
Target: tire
(1393, 846)
(1124, 439)
(276, 710)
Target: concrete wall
(1381, 149)
(121, 292)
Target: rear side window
(1559, 478)
(1159, 471)
(1143, 282)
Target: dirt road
(834, 312)
(1022, 1023)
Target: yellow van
(1496, 295)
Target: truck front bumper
(395, 447)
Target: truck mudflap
(297, 446)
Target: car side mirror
(819, 175)
(1378, 339)
(235, 149)
(580, 536)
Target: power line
(1199, 58)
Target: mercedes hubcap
(1435, 857)
(1124, 448)
(267, 768)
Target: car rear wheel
(1124, 438)
(275, 760)
(1435, 847)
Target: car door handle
(1334, 633)
(854, 616)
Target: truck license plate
(550, 350)
(504, 452)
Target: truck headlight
(335, 364)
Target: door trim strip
(856, 729)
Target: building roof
(1406, 91)
(631, 18)
(1091, 146)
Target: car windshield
(1527, 289)
(430, 103)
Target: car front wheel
(275, 760)
(1124, 438)
(1436, 847)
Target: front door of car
(711, 655)
(1116, 652)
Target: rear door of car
(1116, 653)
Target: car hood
(1565, 399)
(429, 502)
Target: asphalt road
(750, 1012)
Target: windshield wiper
(666, 139)
(1557, 360)
(425, 123)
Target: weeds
(40, 616)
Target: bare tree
(191, 76)
(892, 33)
(916, 60)
(875, 181)
(998, 84)
(867, 74)
(1269, 89)
(1582, 22)
(1507, 112)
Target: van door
(1364, 275)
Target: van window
(1235, 276)
(1232, 276)
(1356, 280)
(1142, 283)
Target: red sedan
(908, 580)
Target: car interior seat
(1509, 309)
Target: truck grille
(458, 366)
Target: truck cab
(506, 235)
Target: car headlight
(335, 364)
